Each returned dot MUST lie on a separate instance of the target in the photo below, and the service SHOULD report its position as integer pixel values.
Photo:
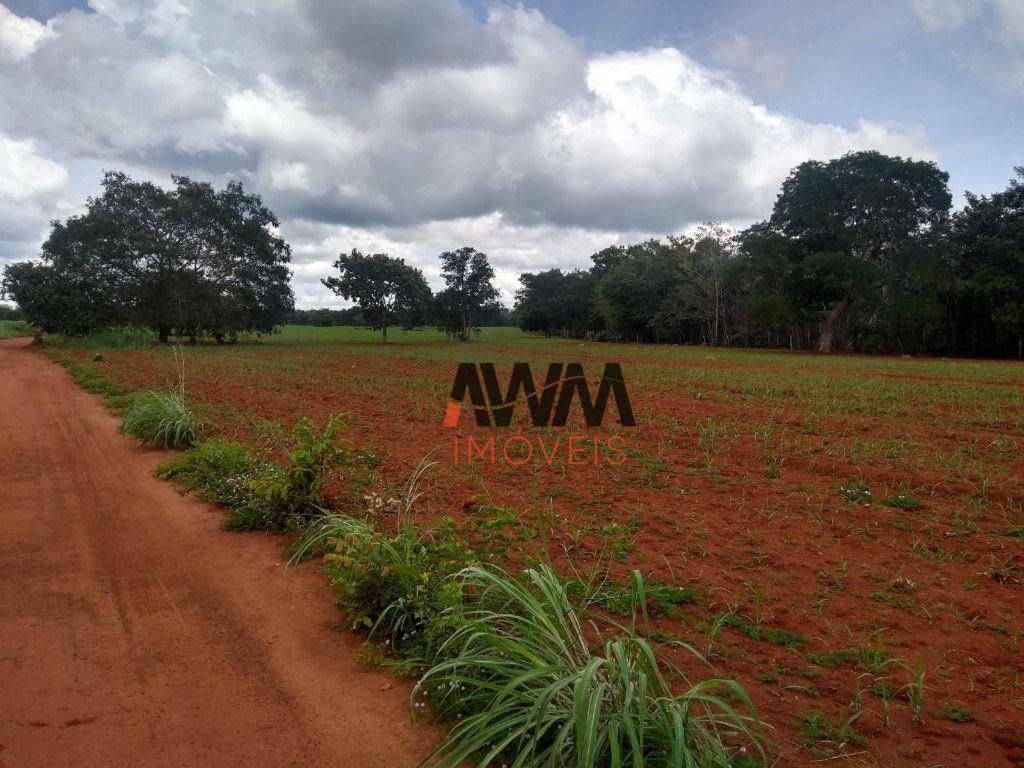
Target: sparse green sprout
(915, 688)
(826, 740)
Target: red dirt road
(133, 632)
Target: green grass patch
(824, 738)
(14, 329)
(773, 635)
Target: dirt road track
(133, 632)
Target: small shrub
(527, 687)
(162, 418)
(91, 378)
(218, 470)
(398, 587)
(260, 494)
(293, 494)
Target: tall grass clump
(526, 688)
(162, 418)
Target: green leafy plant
(398, 586)
(260, 494)
(915, 688)
(527, 688)
(216, 469)
(293, 494)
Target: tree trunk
(384, 335)
(828, 325)
(165, 334)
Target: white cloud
(987, 35)
(19, 35)
(412, 125)
(1011, 21)
(666, 143)
(24, 173)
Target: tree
(60, 302)
(192, 260)
(555, 302)
(387, 290)
(469, 292)
(989, 234)
(856, 220)
(708, 274)
(641, 289)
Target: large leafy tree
(387, 290)
(192, 260)
(858, 220)
(469, 292)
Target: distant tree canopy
(10, 313)
(387, 290)
(469, 294)
(326, 317)
(191, 261)
(860, 253)
(554, 302)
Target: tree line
(860, 253)
(194, 261)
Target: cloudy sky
(538, 133)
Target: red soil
(135, 632)
(788, 552)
